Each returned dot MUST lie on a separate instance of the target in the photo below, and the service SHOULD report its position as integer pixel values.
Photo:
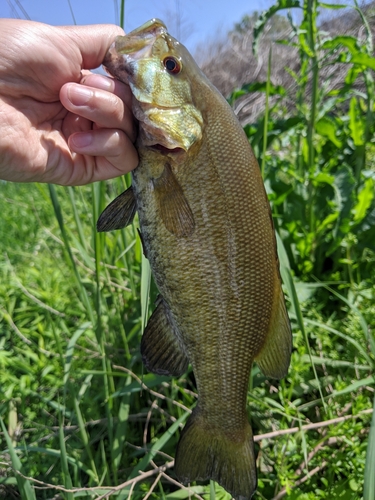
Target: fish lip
(160, 148)
(116, 65)
(135, 45)
(150, 27)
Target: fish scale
(208, 234)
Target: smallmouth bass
(207, 231)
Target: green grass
(81, 418)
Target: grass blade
(64, 459)
(26, 490)
(369, 485)
(60, 220)
(145, 290)
(70, 349)
(289, 284)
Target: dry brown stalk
(154, 393)
(153, 486)
(112, 489)
(8, 318)
(317, 469)
(154, 404)
(328, 442)
(176, 483)
(130, 492)
(309, 427)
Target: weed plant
(79, 416)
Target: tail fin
(207, 453)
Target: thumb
(93, 41)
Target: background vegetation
(81, 419)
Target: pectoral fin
(274, 357)
(161, 348)
(120, 213)
(174, 208)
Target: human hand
(59, 123)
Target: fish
(207, 230)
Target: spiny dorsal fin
(174, 208)
(119, 214)
(161, 348)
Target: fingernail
(81, 139)
(78, 95)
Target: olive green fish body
(207, 231)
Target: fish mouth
(159, 148)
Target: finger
(103, 108)
(110, 85)
(74, 123)
(93, 41)
(114, 145)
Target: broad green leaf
(356, 125)
(343, 185)
(332, 6)
(323, 177)
(344, 198)
(363, 60)
(328, 128)
(304, 42)
(327, 222)
(350, 42)
(248, 88)
(365, 197)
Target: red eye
(172, 65)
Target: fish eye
(172, 65)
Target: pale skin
(59, 122)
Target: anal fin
(161, 348)
(274, 357)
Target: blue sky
(201, 20)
